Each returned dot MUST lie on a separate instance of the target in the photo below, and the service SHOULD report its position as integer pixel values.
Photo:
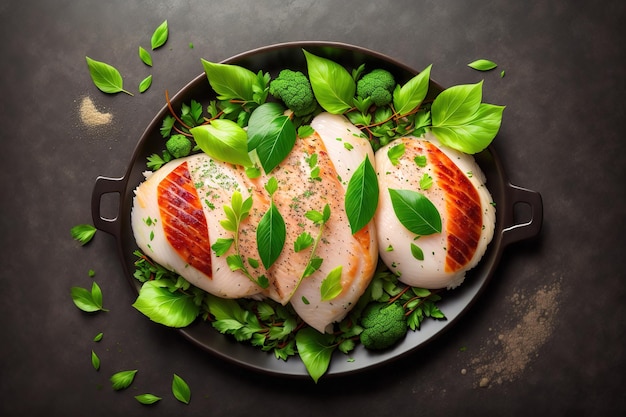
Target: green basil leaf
(482, 65)
(426, 182)
(270, 236)
(145, 84)
(303, 241)
(83, 233)
(456, 105)
(122, 380)
(159, 304)
(106, 77)
(98, 337)
(411, 94)
(160, 35)
(221, 245)
(95, 361)
(331, 285)
(395, 153)
(271, 134)
(476, 133)
(416, 212)
(180, 389)
(85, 300)
(223, 140)
(332, 84)
(96, 295)
(315, 350)
(361, 198)
(230, 81)
(145, 56)
(417, 252)
(147, 399)
(314, 264)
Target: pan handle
(106, 185)
(513, 231)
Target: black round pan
(289, 55)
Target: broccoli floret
(294, 89)
(377, 85)
(384, 324)
(178, 146)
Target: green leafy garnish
(147, 399)
(122, 380)
(332, 84)
(98, 337)
(89, 301)
(160, 35)
(426, 182)
(145, 56)
(271, 231)
(331, 285)
(223, 140)
(83, 233)
(395, 153)
(106, 77)
(231, 81)
(163, 304)
(145, 84)
(271, 134)
(415, 211)
(361, 196)
(462, 122)
(417, 252)
(180, 389)
(408, 97)
(482, 65)
(315, 349)
(95, 361)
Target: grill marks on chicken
(462, 206)
(183, 219)
(458, 192)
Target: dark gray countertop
(546, 336)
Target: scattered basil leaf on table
(83, 233)
(122, 380)
(147, 399)
(88, 301)
(98, 337)
(482, 65)
(180, 389)
(160, 35)
(106, 77)
(145, 56)
(145, 84)
(95, 361)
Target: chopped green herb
(83, 233)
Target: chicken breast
(458, 192)
(175, 220)
(342, 149)
(177, 211)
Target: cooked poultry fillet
(175, 220)
(458, 191)
(177, 211)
